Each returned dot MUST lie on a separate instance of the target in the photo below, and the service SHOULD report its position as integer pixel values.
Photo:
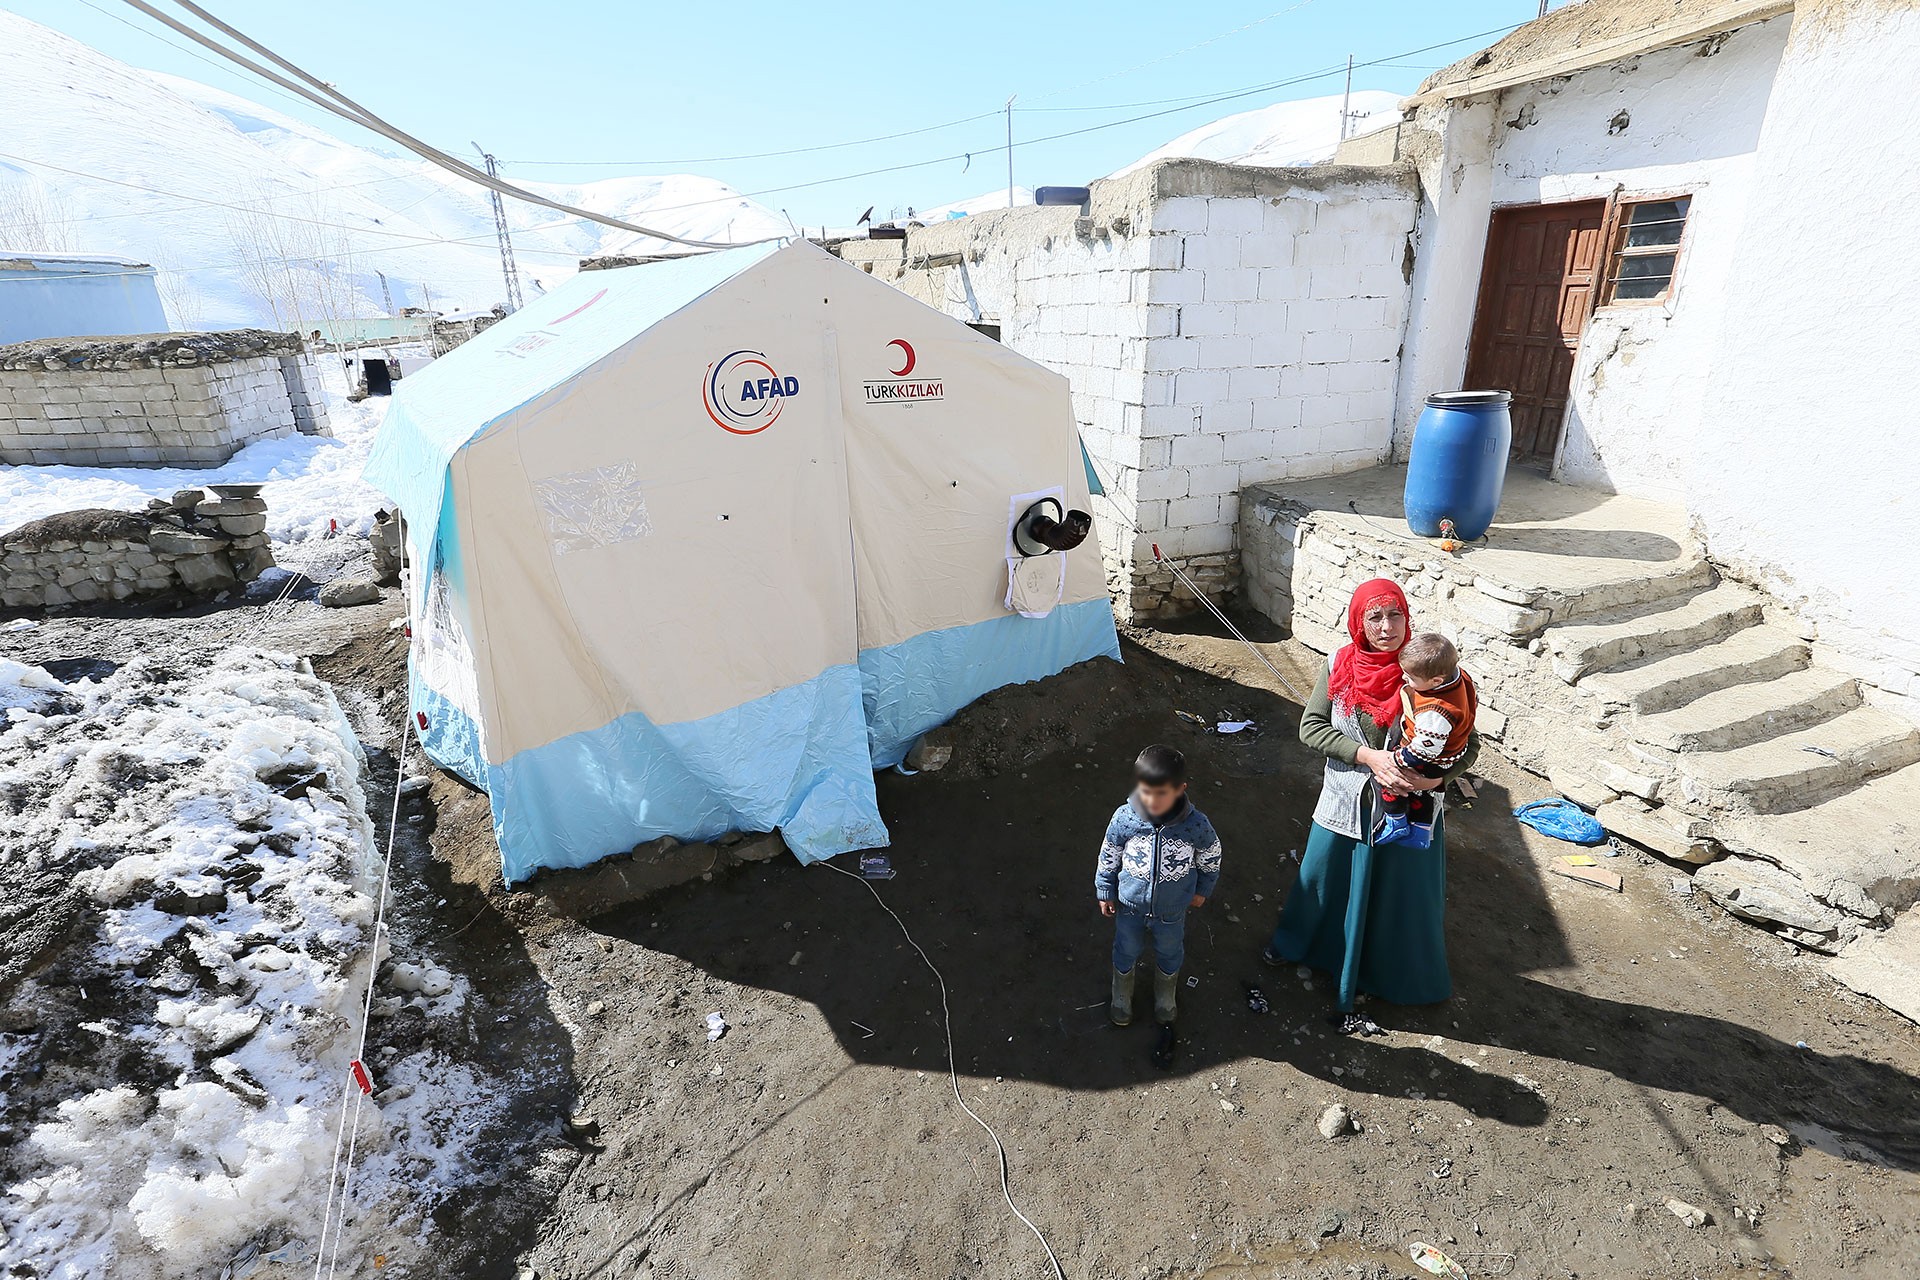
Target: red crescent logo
(906, 350)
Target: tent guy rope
(359, 1085)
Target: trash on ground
(1467, 790)
(716, 1027)
(1256, 998)
(1431, 1260)
(20, 624)
(1692, 1215)
(1582, 868)
(1562, 819)
(876, 866)
(1193, 980)
(1233, 726)
(1191, 718)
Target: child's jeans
(1130, 930)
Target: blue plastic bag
(1563, 820)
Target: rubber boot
(1165, 987)
(1120, 1010)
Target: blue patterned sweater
(1157, 868)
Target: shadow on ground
(995, 882)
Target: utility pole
(1346, 96)
(508, 270)
(1010, 151)
(1543, 8)
(385, 292)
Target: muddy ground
(1603, 1052)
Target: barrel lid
(1468, 399)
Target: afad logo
(744, 395)
(902, 387)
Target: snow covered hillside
(1286, 133)
(97, 156)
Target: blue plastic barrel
(1458, 465)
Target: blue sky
(657, 88)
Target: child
(1437, 705)
(1160, 857)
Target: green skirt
(1374, 917)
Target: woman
(1374, 917)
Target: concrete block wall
(301, 377)
(181, 400)
(1274, 304)
(1221, 326)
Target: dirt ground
(1603, 1053)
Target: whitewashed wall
(1221, 326)
(1693, 118)
(1693, 123)
(1769, 395)
(1806, 471)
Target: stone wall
(180, 400)
(1221, 326)
(188, 543)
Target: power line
(339, 104)
(1230, 96)
(756, 155)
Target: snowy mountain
(1286, 133)
(252, 215)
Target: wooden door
(1543, 264)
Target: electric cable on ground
(953, 1074)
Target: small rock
(1226, 1106)
(1335, 1122)
(596, 1007)
(1330, 1223)
(178, 900)
(344, 593)
(414, 784)
(1692, 1215)
(1776, 1135)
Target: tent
(700, 544)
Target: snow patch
(218, 823)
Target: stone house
(157, 400)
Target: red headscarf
(1364, 679)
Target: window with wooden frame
(1645, 249)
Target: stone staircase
(1690, 712)
(1710, 710)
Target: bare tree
(34, 218)
(296, 259)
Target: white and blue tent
(698, 545)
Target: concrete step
(1859, 851)
(1683, 623)
(1745, 657)
(1802, 768)
(1750, 712)
(1666, 581)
